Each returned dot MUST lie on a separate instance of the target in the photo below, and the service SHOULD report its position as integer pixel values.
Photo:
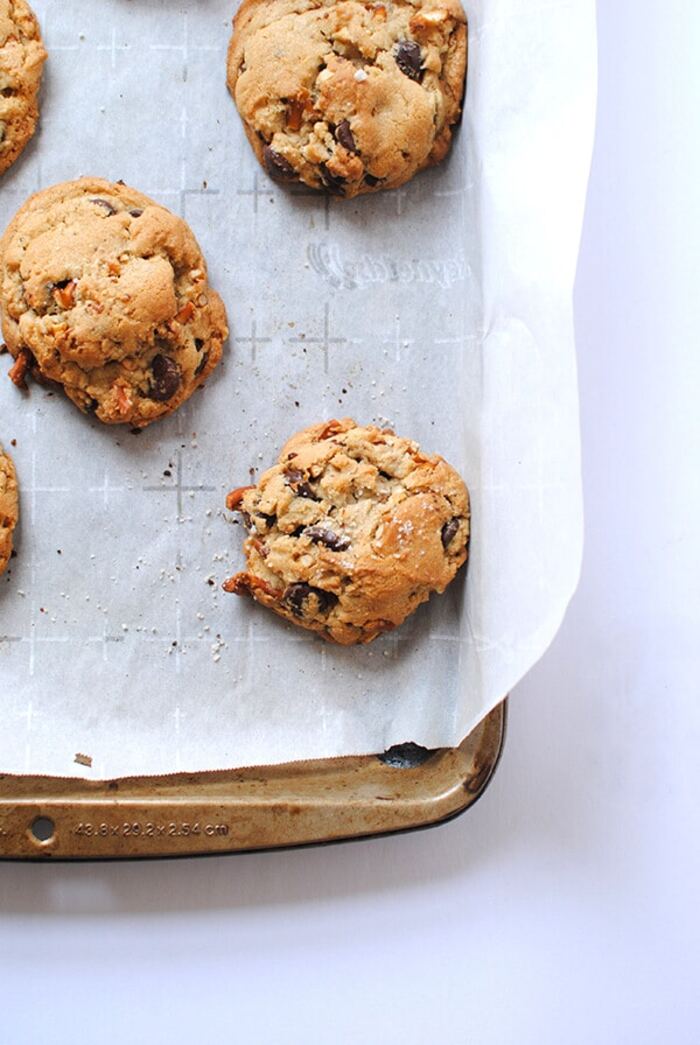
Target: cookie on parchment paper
(346, 96)
(22, 58)
(9, 508)
(351, 531)
(105, 293)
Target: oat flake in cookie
(346, 96)
(9, 508)
(351, 531)
(22, 58)
(105, 293)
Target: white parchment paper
(443, 309)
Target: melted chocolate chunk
(110, 208)
(276, 165)
(409, 59)
(333, 183)
(345, 137)
(449, 531)
(136, 212)
(269, 520)
(371, 180)
(167, 378)
(295, 479)
(320, 535)
(297, 594)
(201, 364)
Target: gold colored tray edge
(295, 804)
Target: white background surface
(565, 908)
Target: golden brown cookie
(9, 508)
(351, 531)
(22, 58)
(105, 292)
(347, 96)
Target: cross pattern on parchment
(177, 642)
(104, 639)
(34, 486)
(315, 194)
(180, 487)
(398, 341)
(257, 192)
(33, 639)
(253, 340)
(106, 489)
(113, 47)
(183, 193)
(185, 47)
(325, 341)
(29, 713)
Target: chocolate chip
(201, 364)
(344, 135)
(7, 92)
(409, 59)
(320, 535)
(332, 182)
(247, 521)
(276, 165)
(449, 531)
(294, 478)
(106, 204)
(136, 212)
(371, 180)
(167, 379)
(269, 520)
(297, 594)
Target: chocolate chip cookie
(9, 508)
(105, 293)
(22, 58)
(348, 96)
(351, 531)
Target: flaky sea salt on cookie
(105, 293)
(9, 508)
(351, 531)
(346, 96)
